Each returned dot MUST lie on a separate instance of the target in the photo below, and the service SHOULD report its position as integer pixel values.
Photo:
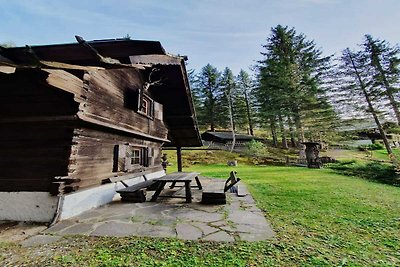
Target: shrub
(256, 148)
(384, 173)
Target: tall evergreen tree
(245, 96)
(208, 93)
(290, 82)
(228, 87)
(384, 60)
(359, 84)
(226, 100)
(195, 92)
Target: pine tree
(384, 60)
(245, 99)
(208, 93)
(195, 94)
(290, 82)
(228, 87)
(226, 99)
(359, 83)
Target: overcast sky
(224, 33)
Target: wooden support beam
(179, 158)
(107, 60)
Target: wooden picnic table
(177, 177)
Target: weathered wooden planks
(92, 155)
(67, 82)
(32, 154)
(61, 122)
(106, 103)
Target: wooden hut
(225, 138)
(75, 117)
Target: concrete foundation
(42, 207)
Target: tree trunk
(292, 133)
(299, 127)
(246, 99)
(273, 132)
(231, 121)
(370, 106)
(211, 113)
(283, 132)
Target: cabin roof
(174, 92)
(74, 53)
(226, 136)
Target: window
(135, 157)
(127, 157)
(146, 106)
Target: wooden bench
(136, 192)
(214, 192)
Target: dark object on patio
(214, 192)
(136, 192)
(177, 177)
(231, 182)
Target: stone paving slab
(239, 219)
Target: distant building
(226, 138)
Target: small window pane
(145, 106)
(135, 159)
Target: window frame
(128, 157)
(149, 108)
(136, 158)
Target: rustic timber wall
(92, 156)
(58, 132)
(35, 132)
(111, 102)
(110, 110)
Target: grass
(376, 171)
(383, 155)
(202, 157)
(370, 155)
(320, 218)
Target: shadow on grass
(375, 171)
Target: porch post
(179, 158)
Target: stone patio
(239, 219)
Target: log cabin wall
(69, 122)
(110, 131)
(35, 131)
(59, 133)
(98, 155)
(112, 101)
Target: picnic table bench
(214, 192)
(177, 177)
(136, 192)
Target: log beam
(179, 158)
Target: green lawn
(383, 155)
(321, 219)
(325, 218)
(380, 155)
